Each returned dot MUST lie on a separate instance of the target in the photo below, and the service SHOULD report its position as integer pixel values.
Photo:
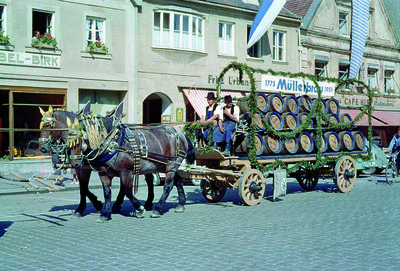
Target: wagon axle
(348, 175)
(254, 187)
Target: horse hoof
(99, 207)
(77, 214)
(179, 209)
(140, 212)
(155, 214)
(103, 219)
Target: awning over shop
(197, 98)
(379, 118)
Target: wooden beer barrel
(275, 120)
(305, 103)
(324, 109)
(333, 141)
(347, 141)
(359, 140)
(290, 121)
(291, 104)
(258, 120)
(332, 118)
(272, 145)
(276, 103)
(346, 118)
(306, 143)
(302, 118)
(262, 102)
(332, 106)
(245, 142)
(290, 145)
(324, 143)
(242, 104)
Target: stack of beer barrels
(287, 113)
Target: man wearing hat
(226, 124)
(210, 115)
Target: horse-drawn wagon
(306, 137)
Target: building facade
(67, 74)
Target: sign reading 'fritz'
(296, 86)
(27, 59)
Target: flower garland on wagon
(192, 129)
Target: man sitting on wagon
(210, 116)
(226, 124)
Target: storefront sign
(28, 59)
(179, 114)
(296, 86)
(230, 80)
(165, 118)
(356, 100)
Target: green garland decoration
(192, 129)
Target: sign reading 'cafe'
(28, 59)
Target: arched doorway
(154, 106)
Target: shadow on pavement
(3, 227)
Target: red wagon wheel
(213, 191)
(251, 187)
(345, 174)
(307, 179)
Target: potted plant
(96, 47)
(376, 91)
(45, 41)
(4, 39)
(391, 91)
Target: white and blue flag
(359, 31)
(267, 13)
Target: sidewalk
(10, 184)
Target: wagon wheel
(213, 190)
(251, 187)
(345, 174)
(307, 179)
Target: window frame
(172, 34)
(343, 73)
(93, 28)
(276, 47)
(388, 79)
(324, 69)
(3, 19)
(347, 24)
(255, 50)
(50, 26)
(369, 78)
(224, 43)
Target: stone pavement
(318, 230)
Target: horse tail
(190, 155)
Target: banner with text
(28, 59)
(296, 86)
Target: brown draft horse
(55, 141)
(116, 151)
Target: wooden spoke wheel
(307, 179)
(251, 187)
(345, 174)
(213, 191)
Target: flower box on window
(45, 41)
(4, 39)
(96, 47)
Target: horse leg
(181, 194)
(148, 205)
(168, 185)
(127, 184)
(106, 212)
(83, 191)
(116, 208)
(92, 197)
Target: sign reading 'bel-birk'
(28, 59)
(296, 86)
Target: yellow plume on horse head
(46, 117)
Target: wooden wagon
(218, 173)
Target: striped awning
(379, 117)
(197, 98)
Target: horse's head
(47, 124)
(75, 143)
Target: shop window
(178, 30)
(278, 45)
(321, 68)
(101, 101)
(43, 22)
(255, 50)
(95, 30)
(226, 39)
(343, 24)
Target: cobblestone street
(318, 230)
